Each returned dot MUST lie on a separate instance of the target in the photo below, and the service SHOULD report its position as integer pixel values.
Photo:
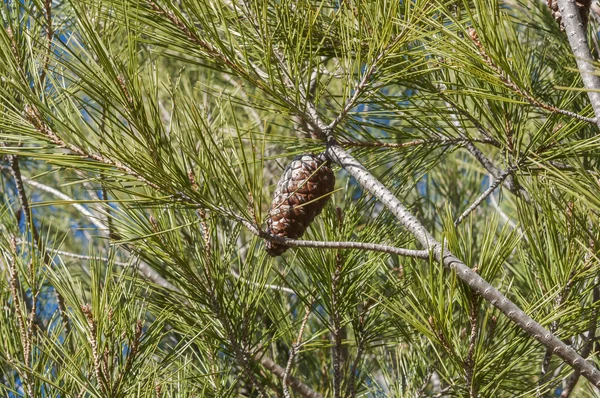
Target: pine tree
(149, 152)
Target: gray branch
(291, 381)
(483, 196)
(463, 272)
(576, 33)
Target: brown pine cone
(301, 194)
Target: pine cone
(306, 179)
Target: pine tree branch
(26, 333)
(336, 326)
(362, 85)
(293, 382)
(441, 141)
(424, 254)
(463, 272)
(523, 93)
(155, 277)
(13, 162)
(508, 181)
(338, 155)
(47, 4)
(470, 361)
(294, 351)
(55, 192)
(483, 196)
(576, 34)
(145, 269)
(268, 286)
(589, 341)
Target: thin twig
(268, 286)
(26, 334)
(88, 258)
(13, 162)
(93, 340)
(589, 341)
(362, 85)
(49, 36)
(327, 245)
(470, 146)
(469, 362)
(42, 187)
(145, 269)
(35, 118)
(297, 385)
(502, 214)
(294, 351)
(336, 325)
(528, 97)
(483, 196)
(440, 141)
(360, 342)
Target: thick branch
(463, 272)
(576, 35)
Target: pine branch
(13, 162)
(268, 286)
(145, 269)
(26, 334)
(336, 326)
(469, 361)
(463, 272)
(576, 34)
(294, 351)
(293, 382)
(589, 341)
(362, 85)
(508, 180)
(442, 141)
(483, 196)
(49, 36)
(523, 93)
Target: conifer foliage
(299, 198)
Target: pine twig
(523, 93)
(476, 152)
(336, 324)
(351, 386)
(93, 339)
(55, 192)
(26, 334)
(294, 351)
(483, 196)
(441, 141)
(142, 267)
(361, 86)
(424, 254)
(49, 36)
(13, 162)
(469, 362)
(268, 286)
(297, 385)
